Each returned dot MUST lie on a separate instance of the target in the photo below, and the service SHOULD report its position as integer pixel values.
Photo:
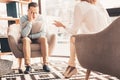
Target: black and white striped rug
(31, 76)
(57, 69)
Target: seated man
(32, 31)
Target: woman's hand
(58, 24)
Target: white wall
(110, 3)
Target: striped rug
(57, 69)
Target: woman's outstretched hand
(58, 24)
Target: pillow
(5, 67)
(36, 27)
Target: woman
(89, 17)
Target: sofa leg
(87, 74)
(20, 63)
(52, 44)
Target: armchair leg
(52, 44)
(87, 74)
(20, 63)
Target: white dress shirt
(88, 18)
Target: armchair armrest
(14, 31)
(14, 34)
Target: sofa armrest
(14, 31)
(14, 34)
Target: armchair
(14, 35)
(100, 51)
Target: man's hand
(58, 24)
(30, 16)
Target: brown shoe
(70, 71)
(66, 70)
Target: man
(89, 17)
(29, 23)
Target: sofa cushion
(36, 27)
(5, 67)
(34, 47)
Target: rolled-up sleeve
(42, 32)
(26, 26)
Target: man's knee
(26, 39)
(43, 39)
(54, 37)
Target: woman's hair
(90, 1)
(32, 4)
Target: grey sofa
(14, 35)
(101, 51)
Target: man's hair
(32, 4)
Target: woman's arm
(59, 24)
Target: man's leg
(71, 69)
(20, 65)
(44, 49)
(27, 53)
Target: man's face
(33, 11)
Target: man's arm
(26, 26)
(39, 34)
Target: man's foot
(46, 68)
(28, 70)
(70, 71)
(20, 71)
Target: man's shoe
(20, 71)
(46, 68)
(70, 71)
(28, 70)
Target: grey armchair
(101, 51)
(14, 34)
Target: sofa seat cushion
(34, 47)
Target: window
(61, 10)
